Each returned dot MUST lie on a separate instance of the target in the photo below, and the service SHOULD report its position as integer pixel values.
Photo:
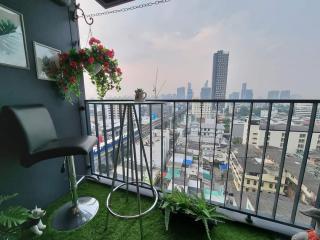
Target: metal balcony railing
(257, 157)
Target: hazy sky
(273, 44)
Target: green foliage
(237, 140)
(11, 218)
(7, 27)
(194, 206)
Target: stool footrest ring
(132, 216)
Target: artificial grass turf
(153, 223)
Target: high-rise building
(189, 91)
(205, 91)
(274, 94)
(249, 94)
(219, 74)
(285, 94)
(246, 93)
(243, 90)
(181, 93)
(234, 95)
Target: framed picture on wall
(13, 48)
(47, 60)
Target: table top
(131, 102)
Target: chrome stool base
(68, 217)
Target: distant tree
(237, 140)
(244, 111)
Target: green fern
(7, 27)
(11, 218)
(192, 205)
(205, 223)
(167, 212)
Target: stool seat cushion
(63, 147)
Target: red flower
(94, 41)
(73, 64)
(119, 71)
(82, 51)
(91, 60)
(106, 64)
(100, 47)
(101, 58)
(110, 53)
(72, 79)
(63, 56)
(65, 88)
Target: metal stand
(129, 109)
(78, 211)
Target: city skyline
(265, 52)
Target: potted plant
(11, 219)
(191, 207)
(97, 60)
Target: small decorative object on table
(313, 234)
(140, 95)
(192, 207)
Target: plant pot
(188, 221)
(96, 68)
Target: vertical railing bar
(246, 154)
(200, 132)
(122, 148)
(161, 164)
(91, 155)
(282, 161)
(150, 132)
(97, 135)
(128, 147)
(112, 132)
(173, 144)
(214, 148)
(317, 205)
(141, 162)
(229, 153)
(105, 135)
(263, 156)
(185, 149)
(304, 161)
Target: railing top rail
(211, 100)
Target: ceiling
(112, 3)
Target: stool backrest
(35, 124)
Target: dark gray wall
(46, 23)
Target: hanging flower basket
(97, 60)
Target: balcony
(242, 155)
(257, 160)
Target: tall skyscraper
(181, 93)
(205, 91)
(249, 94)
(246, 93)
(219, 74)
(285, 94)
(189, 91)
(243, 90)
(275, 94)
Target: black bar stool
(40, 142)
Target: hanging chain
(126, 9)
